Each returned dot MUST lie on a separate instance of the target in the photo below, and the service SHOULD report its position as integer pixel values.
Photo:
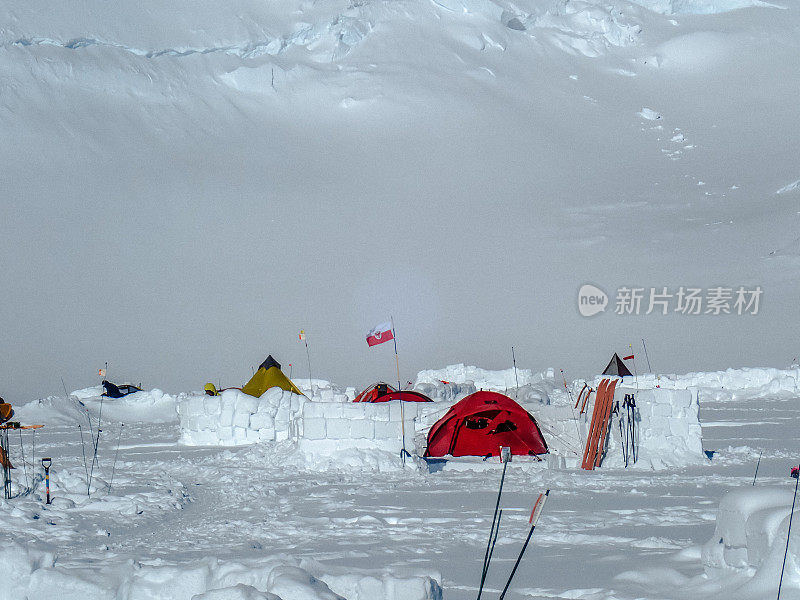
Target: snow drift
(37, 573)
(750, 538)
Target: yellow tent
(269, 375)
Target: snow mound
(324, 390)
(750, 538)
(53, 410)
(482, 379)
(445, 391)
(694, 51)
(154, 406)
(36, 573)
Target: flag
(302, 335)
(627, 357)
(380, 333)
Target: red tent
(383, 392)
(483, 422)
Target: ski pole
(494, 540)
(116, 454)
(24, 462)
(46, 462)
(535, 514)
(507, 457)
(569, 393)
(491, 552)
(796, 474)
(758, 463)
(85, 467)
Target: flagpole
(402, 407)
(308, 357)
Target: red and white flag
(627, 357)
(380, 333)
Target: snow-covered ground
(166, 520)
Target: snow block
(388, 430)
(262, 421)
(314, 429)
(362, 429)
(314, 410)
(379, 411)
(225, 433)
(212, 405)
(226, 417)
(246, 404)
(266, 434)
(338, 428)
(241, 419)
(196, 406)
(354, 410)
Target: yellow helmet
(210, 389)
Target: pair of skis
(600, 423)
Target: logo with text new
(591, 300)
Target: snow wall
(750, 538)
(34, 573)
(330, 426)
(234, 418)
(667, 419)
(757, 381)
(668, 423)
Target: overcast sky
(183, 217)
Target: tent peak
(616, 366)
(269, 363)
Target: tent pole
(514, 360)
(402, 407)
(649, 368)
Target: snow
(750, 539)
(184, 188)
(342, 516)
(235, 418)
(36, 574)
(730, 382)
(789, 187)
